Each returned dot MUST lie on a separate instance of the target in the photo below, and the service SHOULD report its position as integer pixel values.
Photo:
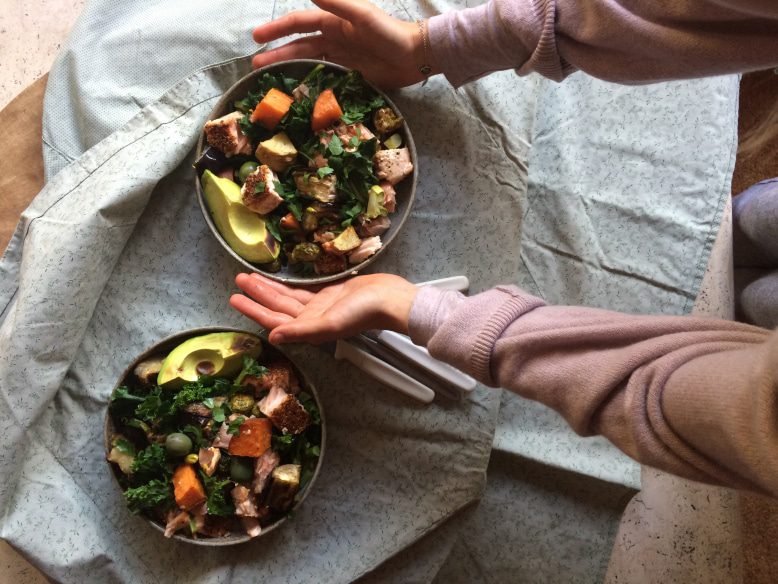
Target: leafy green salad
(214, 438)
(303, 172)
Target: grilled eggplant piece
(146, 371)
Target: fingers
(298, 22)
(300, 294)
(355, 11)
(268, 297)
(310, 47)
(265, 317)
(313, 330)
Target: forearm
(626, 41)
(633, 379)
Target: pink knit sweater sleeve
(626, 41)
(692, 396)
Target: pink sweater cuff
(463, 331)
(501, 34)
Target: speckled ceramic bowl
(164, 347)
(406, 189)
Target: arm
(693, 396)
(626, 41)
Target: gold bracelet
(425, 69)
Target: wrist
(398, 301)
(420, 52)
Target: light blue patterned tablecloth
(113, 255)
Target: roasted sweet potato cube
(188, 489)
(253, 438)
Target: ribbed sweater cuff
(470, 43)
(463, 331)
(545, 58)
(501, 34)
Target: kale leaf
(356, 99)
(124, 393)
(297, 122)
(292, 200)
(199, 390)
(153, 494)
(254, 132)
(355, 176)
(124, 402)
(349, 213)
(154, 406)
(218, 501)
(150, 463)
(248, 103)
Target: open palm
(352, 33)
(377, 301)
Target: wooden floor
(31, 34)
(758, 97)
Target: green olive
(241, 403)
(246, 169)
(241, 470)
(178, 444)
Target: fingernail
(277, 339)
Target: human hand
(352, 33)
(337, 311)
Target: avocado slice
(245, 231)
(215, 354)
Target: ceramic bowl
(406, 189)
(163, 347)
